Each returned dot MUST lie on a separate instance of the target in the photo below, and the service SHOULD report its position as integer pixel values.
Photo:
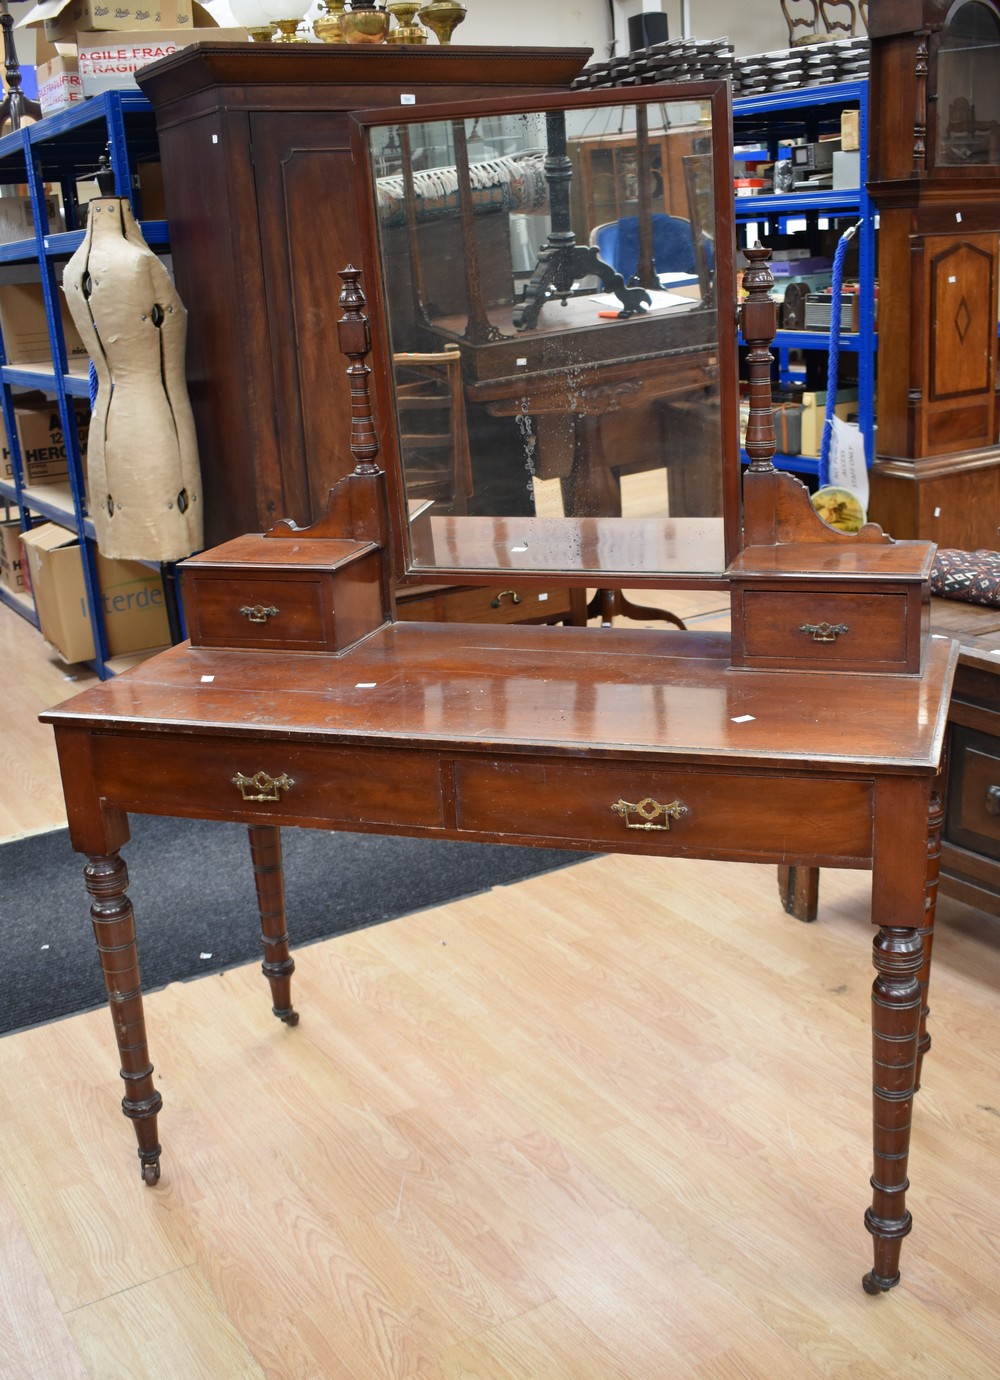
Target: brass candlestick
(406, 31)
(442, 17)
(327, 26)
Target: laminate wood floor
(609, 1124)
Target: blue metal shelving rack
(805, 112)
(57, 151)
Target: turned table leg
(896, 1004)
(114, 929)
(278, 965)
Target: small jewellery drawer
(305, 594)
(973, 814)
(274, 781)
(817, 629)
(257, 611)
(724, 814)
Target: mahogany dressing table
(811, 736)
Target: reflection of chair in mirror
(433, 432)
(840, 18)
(617, 242)
(802, 18)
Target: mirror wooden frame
(407, 571)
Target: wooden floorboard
(612, 1123)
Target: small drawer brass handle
(648, 811)
(259, 613)
(515, 598)
(825, 632)
(261, 786)
(993, 800)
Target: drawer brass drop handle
(515, 598)
(824, 632)
(648, 810)
(261, 786)
(259, 613)
(993, 800)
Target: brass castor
(289, 1015)
(151, 1172)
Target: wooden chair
(839, 18)
(433, 429)
(802, 18)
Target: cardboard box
(25, 329)
(850, 130)
(131, 593)
(42, 444)
(814, 414)
(109, 62)
(59, 84)
(64, 19)
(17, 222)
(11, 557)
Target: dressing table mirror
(811, 736)
(568, 257)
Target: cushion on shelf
(970, 575)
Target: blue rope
(92, 385)
(833, 364)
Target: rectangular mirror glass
(550, 282)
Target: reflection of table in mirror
(602, 547)
(600, 394)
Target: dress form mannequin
(142, 461)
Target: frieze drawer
(273, 781)
(716, 814)
(813, 628)
(486, 604)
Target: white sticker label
(937, 512)
(521, 363)
(542, 598)
(744, 719)
(958, 215)
(215, 138)
(206, 680)
(366, 685)
(518, 549)
(406, 99)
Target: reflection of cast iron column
(561, 261)
(646, 270)
(479, 328)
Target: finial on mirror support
(355, 342)
(758, 320)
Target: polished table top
(515, 689)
